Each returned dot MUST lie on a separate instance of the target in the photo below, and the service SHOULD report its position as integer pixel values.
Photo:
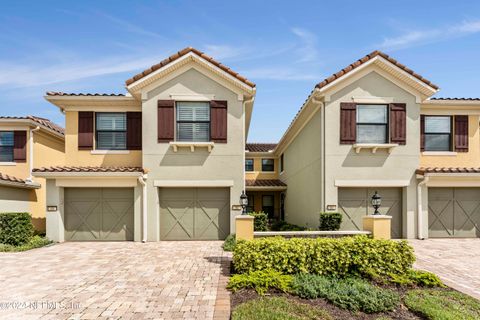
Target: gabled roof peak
(365, 59)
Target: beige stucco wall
(302, 174)
(257, 172)
(48, 150)
(460, 159)
(225, 162)
(343, 163)
(14, 199)
(75, 157)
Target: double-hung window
(372, 123)
(249, 165)
(111, 131)
(268, 165)
(6, 146)
(193, 121)
(438, 133)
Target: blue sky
(284, 47)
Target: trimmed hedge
(16, 228)
(261, 281)
(330, 221)
(340, 257)
(285, 226)
(260, 223)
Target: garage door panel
(354, 204)
(194, 213)
(99, 214)
(454, 212)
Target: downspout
(30, 154)
(419, 208)
(244, 136)
(316, 100)
(142, 180)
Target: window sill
(374, 146)
(110, 152)
(8, 163)
(192, 145)
(439, 153)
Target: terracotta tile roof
(264, 183)
(88, 169)
(457, 99)
(40, 121)
(372, 55)
(8, 178)
(67, 94)
(260, 147)
(182, 53)
(447, 170)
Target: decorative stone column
(378, 225)
(244, 227)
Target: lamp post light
(244, 202)
(376, 202)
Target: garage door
(355, 203)
(194, 213)
(453, 212)
(98, 214)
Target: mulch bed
(401, 313)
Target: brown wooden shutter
(398, 123)
(20, 146)
(166, 120)
(134, 130)
(422, 132)
(218, 121)
(85, 130)
(348, 123)
(461, 133)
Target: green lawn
(443, 304)
(35, 242)
(278, 308)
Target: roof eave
(33, 124)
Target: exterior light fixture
(244, 202)
(376, 202)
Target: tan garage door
(355, 203)
(98, 214)
(454, 212)
(194, 213)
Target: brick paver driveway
(115, 280)
(455, 261)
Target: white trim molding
(96, 182)
(372, 183)
(8, 164)
(192, 145)
(439, 153)
(110, 152)
(374, 146)
(192, 183)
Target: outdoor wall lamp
(244, 202)
(376, 202)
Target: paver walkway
(455, 261)
(115, 280)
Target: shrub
(410, 278)
(230, 243)
(34, 242)
(330, 221)
(261, 221)
(349, 293)
(324, 256)
(442, 304)
(278, 308)
(16, 228)
(261, 281)
(285, 226)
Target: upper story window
(372, 124)
(249, 165)
(268, 165)
(438, 133)
(193, 121)
(6, 146)
(282, 163)
(111, 131)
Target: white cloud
(308, 49)
(421, 37)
